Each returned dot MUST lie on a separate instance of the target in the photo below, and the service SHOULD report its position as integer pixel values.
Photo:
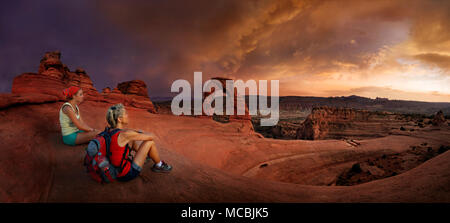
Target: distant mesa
(53, 76)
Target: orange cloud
(434, 59)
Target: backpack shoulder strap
(124, 157)
(107, 135)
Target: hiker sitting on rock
(126, 139)
(73, 128)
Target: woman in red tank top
(126, 140)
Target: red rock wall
(53, 77)
(327, 122)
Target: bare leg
(147, 148)
(85, 137)
(136, 145)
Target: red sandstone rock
(53, 77)
(235, 115)
(223, 166)
(116, 91)
(8, 100)
(51, 65)
(327, 122)
(106, 90)
(136, 101)
(37, 83)
(130, 93)
(136, 87)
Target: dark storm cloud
(30, 28)
(238, 37)
(208, 36)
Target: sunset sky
(394, 49)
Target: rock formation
(130, 93)
(246, 126)
(106, 90)
(282, 130)
(136, 87)
(328, 122)
(235, 115)
(52, 66)
(305, 104)
(439, 119)
(53, 76)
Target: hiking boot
(164, 168)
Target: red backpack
(97, 159)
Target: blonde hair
(113, 113)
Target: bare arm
(78, 123)
(127, 136)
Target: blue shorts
(70, 139)
(134, 171)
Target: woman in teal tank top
(74, 130)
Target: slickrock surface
(213, 162)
